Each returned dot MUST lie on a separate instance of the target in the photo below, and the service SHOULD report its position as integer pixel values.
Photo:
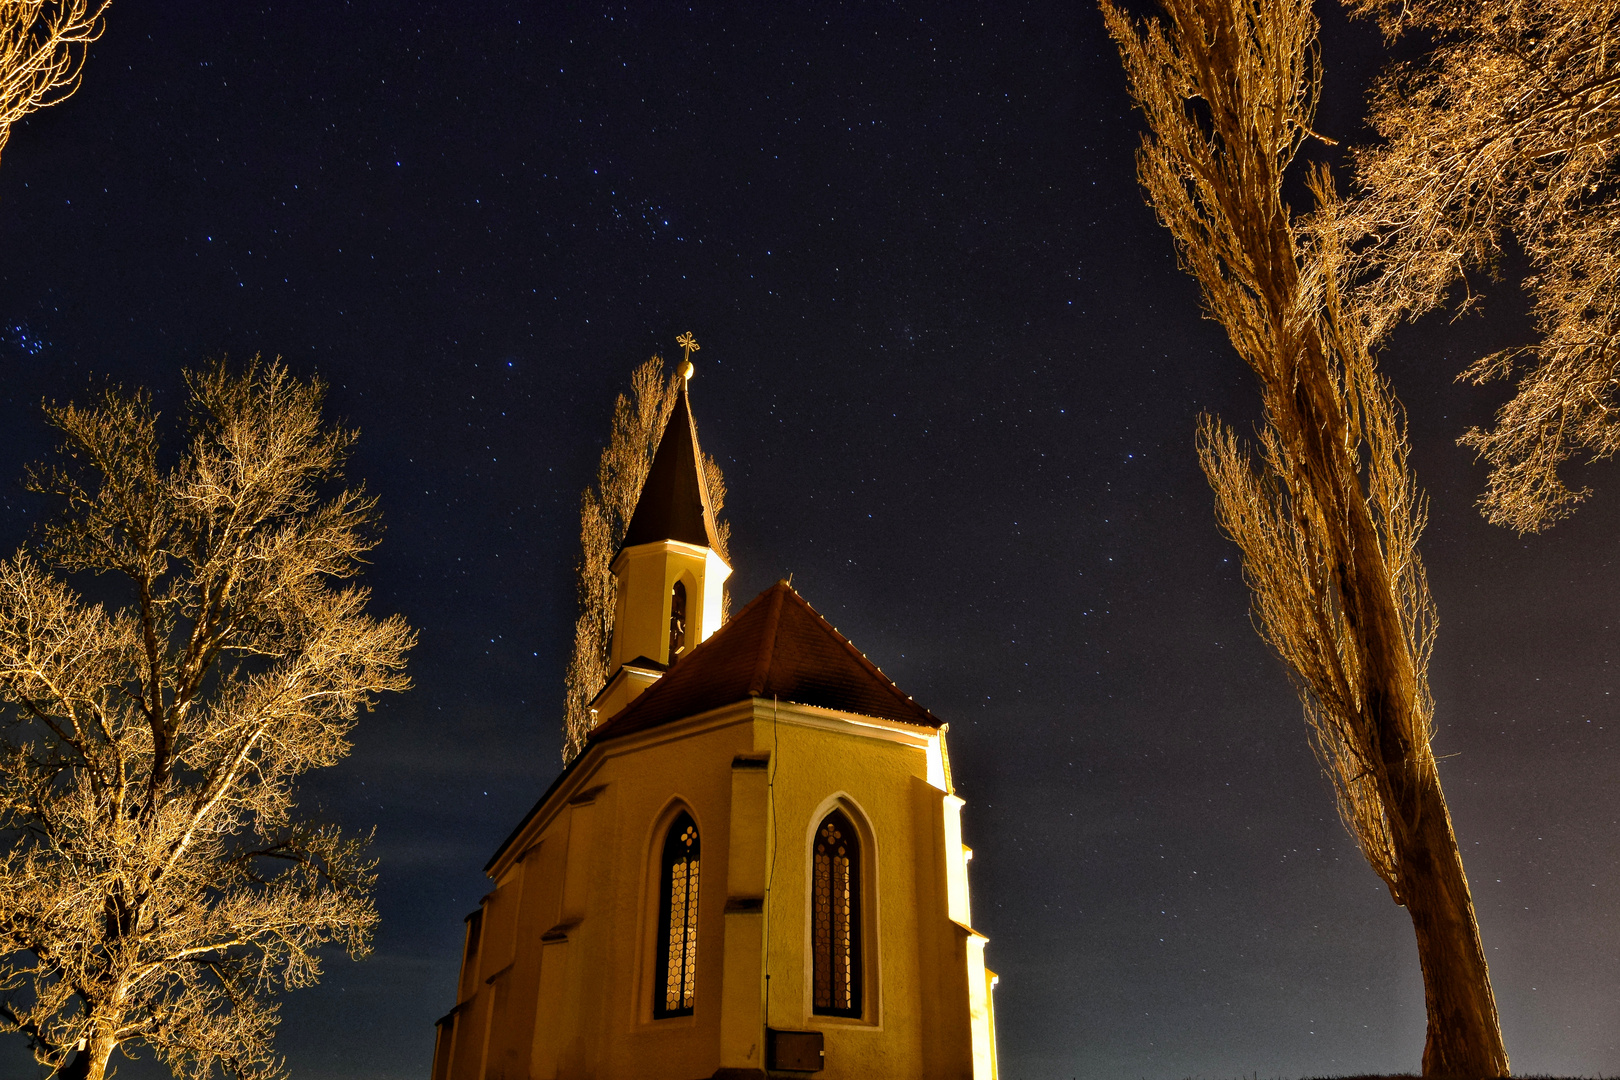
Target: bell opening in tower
(677, 620)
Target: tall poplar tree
(1326, 511)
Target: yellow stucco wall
(560, 983)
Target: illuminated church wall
(564, 977)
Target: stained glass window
(678, 913)
(835, 918)
(677, 620)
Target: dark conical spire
(674, 502)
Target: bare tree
(1328, 514)
(604, 514)
(42, 51)
(1508, 127)
(157, 887)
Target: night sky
(952, 373)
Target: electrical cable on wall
(770, 874)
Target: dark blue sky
(952, 373)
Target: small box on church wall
(794, 1051)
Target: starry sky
(952, 373)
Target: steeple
(670, 574)
(674, 502)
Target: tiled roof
(674, 499)
(777, 646)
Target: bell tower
(669, 570)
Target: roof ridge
(767, 652)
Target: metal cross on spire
(689, 343)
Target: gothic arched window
(835, 917)
(677, 620)
(677, 919)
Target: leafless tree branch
(155, 885)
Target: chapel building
(755, 867)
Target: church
(755, 867)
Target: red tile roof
(777, 646)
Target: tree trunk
(100, 1053)
(1465, 1035)
(90, 1063)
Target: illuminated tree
(42, 51)
(181, 644)
(1327, 513)
(1508, 127)
(605, 511)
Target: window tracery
(675, 988)
(835, 918)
